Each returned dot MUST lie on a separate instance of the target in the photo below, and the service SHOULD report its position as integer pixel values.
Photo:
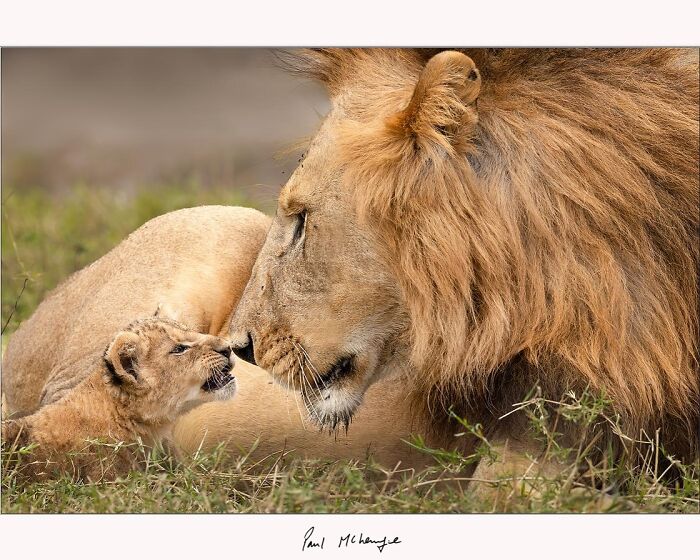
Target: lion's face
(165, 369)
(320, 309)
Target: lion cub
(151, 373)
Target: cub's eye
(299, 227)
(180, 349)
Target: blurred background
(96, 141)
(123, 118)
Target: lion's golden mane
(549, 224)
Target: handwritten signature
(346, 540)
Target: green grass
(46, 237)
(217, 483)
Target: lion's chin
(334, 409)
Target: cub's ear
(121, 360)
(442, 110)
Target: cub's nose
(246, 351)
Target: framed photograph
(350, 279)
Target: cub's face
(161, 369)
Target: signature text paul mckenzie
(312, 541)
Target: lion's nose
(225, 352)
(246, 351)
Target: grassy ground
(45, 238)
(219, 483)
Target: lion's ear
(121, 359)
(442, 110)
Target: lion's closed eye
(299, 227)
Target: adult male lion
(485, 221)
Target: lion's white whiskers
(296, 398)
(312, 412)
(306, 359)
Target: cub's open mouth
(219, 379)
(340, 369)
